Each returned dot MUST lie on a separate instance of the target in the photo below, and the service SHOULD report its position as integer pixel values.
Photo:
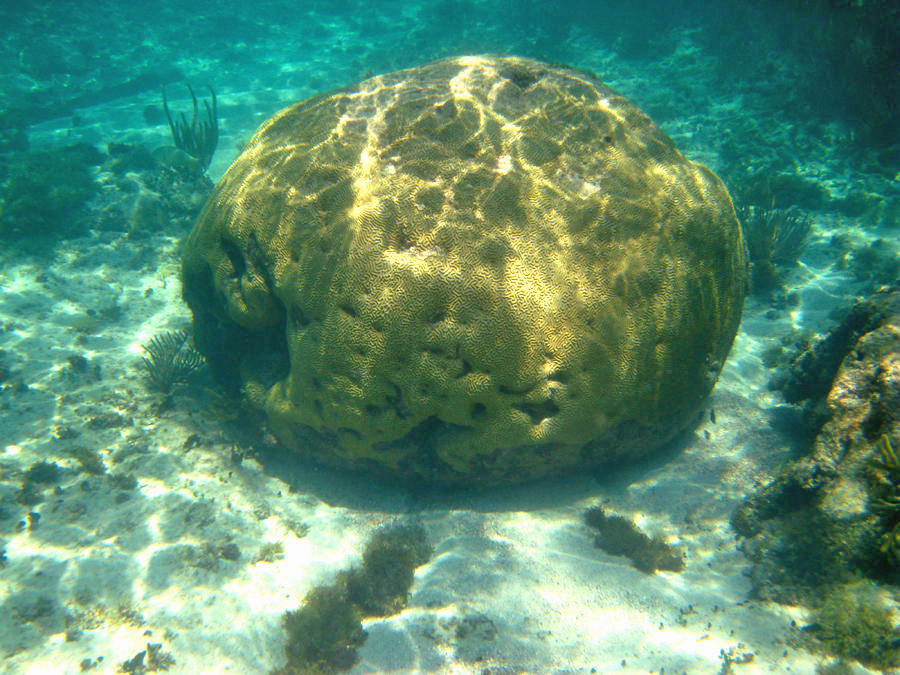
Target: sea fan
(169, 360)
(775, 239)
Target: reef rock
(485, 269)
(834, 513)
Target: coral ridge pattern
(483, 269)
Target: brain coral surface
(484, 269)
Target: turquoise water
(150, 522)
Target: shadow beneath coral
(384, 493)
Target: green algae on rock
(482, 270)
(325, 633)
(853, 621)
(620, 536)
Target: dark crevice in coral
(235, 257)
(396, 402)
(538, 412)
(260, 263)
(226, 345)
(878, 422)
(503, 389)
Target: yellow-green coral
(482, 269)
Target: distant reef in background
(854, 46)
(65, 56)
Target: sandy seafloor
(515, 581)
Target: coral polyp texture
(485, 269)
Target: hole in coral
(538, 412)
(478, 411)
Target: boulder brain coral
(485, 269)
